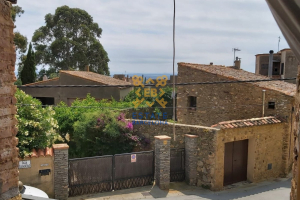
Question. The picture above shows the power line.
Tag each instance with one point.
(149, 85)
(127, 108)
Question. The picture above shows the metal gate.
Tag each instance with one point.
(177, 170)
(107, 173)
(129, 174)
(90, 175)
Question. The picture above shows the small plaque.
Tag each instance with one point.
(24, 164)
(44, 165)
(133, 157)
(165, 142)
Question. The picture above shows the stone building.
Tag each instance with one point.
(9, 174)
(51, 96)
(254, 149)
(285, 65)
(209, 104)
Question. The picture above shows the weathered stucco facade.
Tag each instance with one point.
(9, 174)
(40, 160)
(69, 94)
(285, 65)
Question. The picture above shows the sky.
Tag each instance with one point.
(137, 34)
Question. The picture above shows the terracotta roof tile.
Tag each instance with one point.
(288, 89)
(38, 82)
(106, 80)
(247, 122)
(41, 152)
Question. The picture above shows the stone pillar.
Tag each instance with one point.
(191, 159)
(61, 185)
(162, 161)
(9, 173)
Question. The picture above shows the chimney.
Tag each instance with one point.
(237, 63)
(270, 64)
(45, 78)
(87, 68)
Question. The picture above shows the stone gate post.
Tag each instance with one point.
(61, 185)
(191, 159)
(162, 161)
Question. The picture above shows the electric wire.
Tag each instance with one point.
(149, 85)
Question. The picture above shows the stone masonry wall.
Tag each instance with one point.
(296, 131)
(206, 145)
(9, 174)
(265, 146)
(224, 102)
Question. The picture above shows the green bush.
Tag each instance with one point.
(37, 126)
(77, 127)
(103, 133)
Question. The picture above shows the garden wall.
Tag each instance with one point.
(206, 145)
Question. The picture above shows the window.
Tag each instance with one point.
(271, 105)
(192, 102)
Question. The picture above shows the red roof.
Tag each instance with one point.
(247, 122)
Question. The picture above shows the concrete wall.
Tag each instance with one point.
(290, 65)
(263, 59)
(267, 145)
(224, 102)
(63, 94)
(31, 176)
(9, 175)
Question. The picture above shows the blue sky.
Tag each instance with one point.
(137, 34)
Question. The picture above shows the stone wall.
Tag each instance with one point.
(206, 145)
(296, 132)
(9, 174)
(266, 145)
(224, 102)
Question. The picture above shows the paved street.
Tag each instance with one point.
(269, 190)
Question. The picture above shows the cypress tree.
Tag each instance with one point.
(28, 74)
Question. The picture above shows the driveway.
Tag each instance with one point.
(278, 189)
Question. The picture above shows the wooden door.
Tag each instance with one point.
(235, 162)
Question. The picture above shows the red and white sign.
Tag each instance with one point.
(133, 157)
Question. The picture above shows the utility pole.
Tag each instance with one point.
(278, 42)
(234, 50)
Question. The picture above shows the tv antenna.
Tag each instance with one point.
(234, 50)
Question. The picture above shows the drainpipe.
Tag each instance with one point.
(270, 69)
(263, 102)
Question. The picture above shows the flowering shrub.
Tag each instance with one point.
(103, 133)
(37, 129)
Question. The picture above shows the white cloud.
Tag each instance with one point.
(138, 34)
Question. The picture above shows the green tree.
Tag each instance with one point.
(37, 128)
(28, 74)
(70, 40)
(19, 39)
